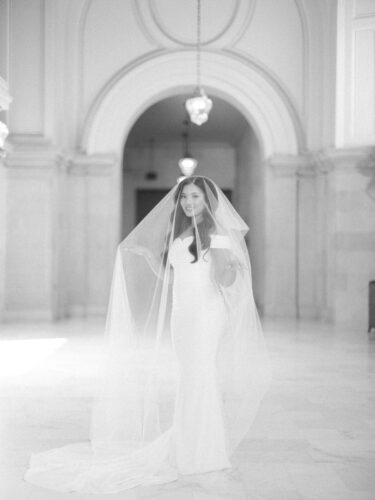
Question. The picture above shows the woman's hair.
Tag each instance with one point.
(180, 221)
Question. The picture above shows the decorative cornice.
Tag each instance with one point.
(29, 142)
(339, 160)
(34, 160)
(311, 164)
(98, 164)
(293, 166)
(32, 151)
(344, 159)
(284, 165)
(46, 158)
(366, 165)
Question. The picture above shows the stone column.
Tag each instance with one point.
(366, 167)
(353, 237)
(5, 100)
(280, 237)
(325, 221)
(2, 236)
(31, 253)
(307, 238)
(293, 238)
(93, 232)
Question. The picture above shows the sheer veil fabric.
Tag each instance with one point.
(186, 363)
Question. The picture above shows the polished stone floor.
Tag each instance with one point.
(314, 437)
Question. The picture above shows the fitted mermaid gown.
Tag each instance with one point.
(196, 442)
(198, 322)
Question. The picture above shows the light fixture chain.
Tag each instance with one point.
(198, 106)
(199, 43)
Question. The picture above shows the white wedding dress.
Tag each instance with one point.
(198, 323)
(196, 442)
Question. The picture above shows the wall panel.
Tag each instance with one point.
(26, 77)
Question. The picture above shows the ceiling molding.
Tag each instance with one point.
(154, 24)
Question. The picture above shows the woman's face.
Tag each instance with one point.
(192, 200)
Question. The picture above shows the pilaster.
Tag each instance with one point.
(352, 239)
(295, 236)
(280, 237)
(93, 232)
(5, 100)
(31, 234)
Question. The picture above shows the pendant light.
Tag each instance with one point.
(199, 106)
(4, 131)
(187, 163)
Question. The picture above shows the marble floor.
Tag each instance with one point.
(313, 438)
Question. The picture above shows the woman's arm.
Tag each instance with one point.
(225, 266)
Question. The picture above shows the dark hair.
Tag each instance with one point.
(181, 221)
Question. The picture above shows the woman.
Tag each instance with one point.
(186, 363)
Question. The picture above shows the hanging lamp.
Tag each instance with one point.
(4, 131)
(200, 105)
(187, 163)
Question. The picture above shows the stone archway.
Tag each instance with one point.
(245, 86)
(265, 106)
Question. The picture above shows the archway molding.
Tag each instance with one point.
(246, 86)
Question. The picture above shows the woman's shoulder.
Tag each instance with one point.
(219, 241)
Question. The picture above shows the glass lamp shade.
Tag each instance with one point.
(199, 107)
(187, 165)
(4, 131)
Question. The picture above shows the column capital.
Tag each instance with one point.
(325, 161)
(345, 159)
(366, 165)
(34, 160)
(302, 165)
(96, 164)
(284, 165)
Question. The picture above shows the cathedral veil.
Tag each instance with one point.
(137, 395)
(133, 410)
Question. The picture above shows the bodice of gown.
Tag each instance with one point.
(191, 281)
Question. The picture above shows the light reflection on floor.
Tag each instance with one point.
(20, 356)
(314, 437)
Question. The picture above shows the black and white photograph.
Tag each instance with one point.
(187, 249)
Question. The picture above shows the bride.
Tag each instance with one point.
(186, 365)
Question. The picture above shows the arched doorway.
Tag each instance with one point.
(246, 87)
(227, 150)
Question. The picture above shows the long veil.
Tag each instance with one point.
(132, 418)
